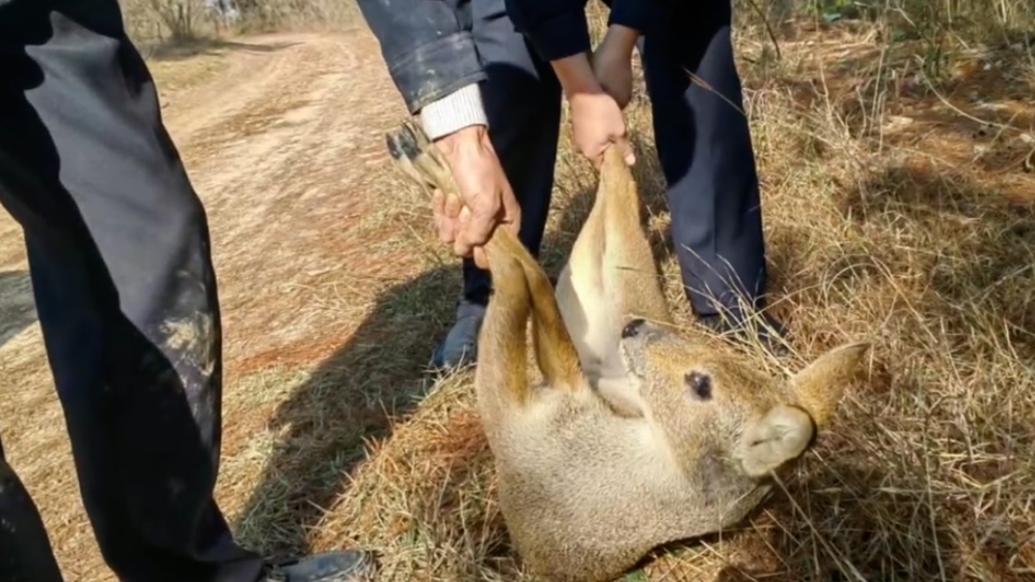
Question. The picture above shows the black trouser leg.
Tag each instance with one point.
(119, 256)
(705, 149)
(523, 103)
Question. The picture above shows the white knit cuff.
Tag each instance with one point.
(459, 109)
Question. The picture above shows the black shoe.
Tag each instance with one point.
(344, 566)
(460, 348)
(765, 329)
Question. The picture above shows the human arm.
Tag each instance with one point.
(558, 28)
(427, 45)
(596, 118)
(432, 59)
(558, 31)
(612, 59)
(612, 62)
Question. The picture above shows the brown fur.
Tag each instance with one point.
(610, 276)
(661, 439)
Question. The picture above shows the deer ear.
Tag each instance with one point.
(819, 387)
(778, 437)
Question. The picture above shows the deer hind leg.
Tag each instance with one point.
(520, 289)
(501, 377)
(581, 295)
(611, 276)
(555, 353)
(629, 270)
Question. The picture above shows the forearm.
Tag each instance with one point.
(460, 109)
(576, 72)
(612, 62)
(621, 39)
(576, 75)
(643, 16)
(429, 52)
(556, 28)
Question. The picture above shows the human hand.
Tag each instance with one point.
(486, 198)
(596, 119)
(597, 124)
(612, 63)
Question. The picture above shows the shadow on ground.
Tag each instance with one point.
(16, 305)
(378, 375)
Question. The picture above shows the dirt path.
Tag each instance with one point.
(284, 145)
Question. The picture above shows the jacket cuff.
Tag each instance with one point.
(563, 35)
(459, 109)
(456, 65)
(643, 16)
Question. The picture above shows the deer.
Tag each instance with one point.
(636, 436)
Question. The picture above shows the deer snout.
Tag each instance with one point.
(640, 329)
(637, 335)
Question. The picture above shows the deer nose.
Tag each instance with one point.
(633, 328)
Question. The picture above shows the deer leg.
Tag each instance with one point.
(581, 294)
(628, 268)
(501, 376)
(555, 352)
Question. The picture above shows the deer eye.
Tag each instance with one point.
(699, 385)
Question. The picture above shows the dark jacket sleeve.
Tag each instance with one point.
(556, 28)
(427, 45)
(643, 15)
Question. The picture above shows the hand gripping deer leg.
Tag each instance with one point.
(417, 157)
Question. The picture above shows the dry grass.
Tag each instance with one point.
(928, 473)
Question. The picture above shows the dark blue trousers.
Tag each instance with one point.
(522, 100)
(702, 135)
(118, 250)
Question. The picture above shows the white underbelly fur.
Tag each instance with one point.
(593, 321)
